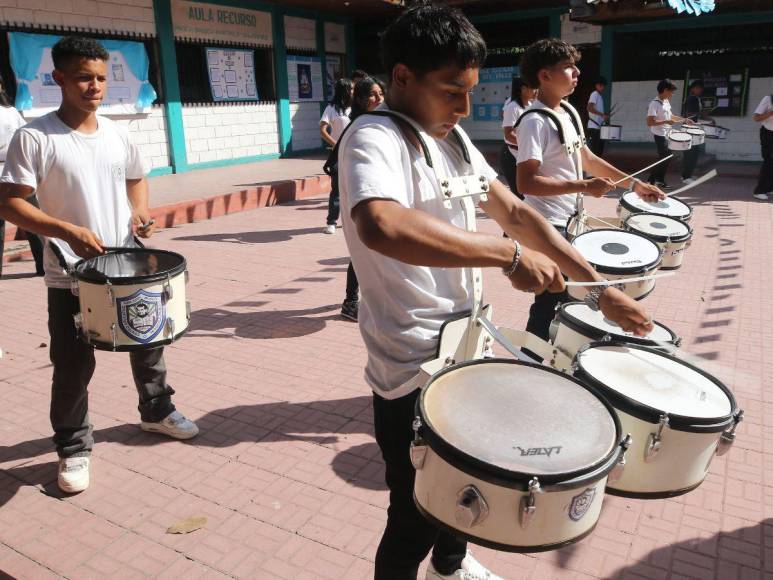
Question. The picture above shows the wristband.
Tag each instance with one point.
(516, 259)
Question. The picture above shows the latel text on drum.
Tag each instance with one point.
(539, 450)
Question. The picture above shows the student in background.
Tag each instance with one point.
(334, 120)
(597, 117)
(764, 114)
(692, 110)
(659, 121)
(521, 98)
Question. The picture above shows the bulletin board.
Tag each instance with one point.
(231, 74)
(725, 93)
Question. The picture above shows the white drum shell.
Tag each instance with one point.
(711, 130)
(611, 132)
(438, 484)
(636, 290)
(677, 142)
(673, 252)
(698, 136)
(98, 315)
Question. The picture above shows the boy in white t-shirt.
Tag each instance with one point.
(411, 255)
(596, 117)
(548, 175)
(92, 194)
(335, 118)
(764, 114)
(659, 120)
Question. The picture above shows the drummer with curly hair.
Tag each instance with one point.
(90, 183)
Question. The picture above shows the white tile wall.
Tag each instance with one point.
(230, 131)
(743, 144)
(304, 118)
(133, 16)
(300, 33)
(149, 133)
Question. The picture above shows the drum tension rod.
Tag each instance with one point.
(654, 441)
(418, 446)
(617, 470)
(727, 438)
(529, 502)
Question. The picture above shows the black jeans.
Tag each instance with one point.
(509, 168)
(74, 365)
(408, 537)
(595, 143)
(352, 284)
(765, 181)
(334, 203)
(658, 173)
(35, 241)
(690, 160)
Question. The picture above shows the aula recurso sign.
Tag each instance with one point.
(199, 21)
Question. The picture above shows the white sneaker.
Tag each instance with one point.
(175, 425)
(688, 180)
(73, 474)
(471, 570)
(762, 196)
(331, 229)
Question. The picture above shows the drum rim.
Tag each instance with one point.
(639, 410)
(658, 237)
(616, 269)
(695, 131)
(633, 209)
(670, 137)
(128, 281)
(505, 477)
(597, 334)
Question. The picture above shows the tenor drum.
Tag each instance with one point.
(611, 132)
(697, 135)
(711, 130)
(671, 206)
(131, 299)
(500, 462)
(678, 415)
(671, 235)
(679, 141)
(576, 325)
(618, 255)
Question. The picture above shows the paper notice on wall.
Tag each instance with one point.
(304, 78)
(493, 89)
(231, 74)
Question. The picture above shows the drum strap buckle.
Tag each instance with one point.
(418, 446)
(529, 503)
(727, 438)
(654, 440)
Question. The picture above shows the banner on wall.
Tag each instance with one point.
(493, 89)
(335, 37)
(128, 89)
(199, 21)
(334, 70)
(231, 74)
(304, 78)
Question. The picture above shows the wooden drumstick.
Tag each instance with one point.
(632, 175)
(702, 179)
(617, 281)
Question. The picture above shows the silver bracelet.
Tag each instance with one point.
(516, 259)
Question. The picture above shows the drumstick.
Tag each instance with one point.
(703, 178)
(621, 280)
(603, 222)
(632, 175)
(147, 225)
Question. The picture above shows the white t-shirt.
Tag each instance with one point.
(510, 113)
(79, 178)
(10, 120)
(595, 121)
(661, 110)
(337, 120)
(765, 106)
(402, 306)
(538, 139)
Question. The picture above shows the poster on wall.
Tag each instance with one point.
(304, 78)
(231, 74)
(128, 89)
(493, 89)
(334, 70)
(724, 93)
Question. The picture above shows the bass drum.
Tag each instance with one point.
(672, 207)
(500, 462)
(671, 235)
(678, 416)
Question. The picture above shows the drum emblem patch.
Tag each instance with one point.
(581, 503)
(142, 315)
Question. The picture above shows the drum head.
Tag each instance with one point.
(513, 416)
(130, 266)
(671, 206)
(695, 131)
(659, 227)
(656, 380)
(617, 252)
(579, 314)
(679, 136)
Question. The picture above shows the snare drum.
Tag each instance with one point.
(618, 255)
(711, 130)
(723, 132)
(697, 135)
(131, 299)
(671, 235)
(671, 206)
(678, 415)
(576, 324)
(501, 462)
(611, 132)
(679, 140)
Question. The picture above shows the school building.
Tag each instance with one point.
(209, 84)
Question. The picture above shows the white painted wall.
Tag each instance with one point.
(743, 143)
(304, 118)
(230, 131)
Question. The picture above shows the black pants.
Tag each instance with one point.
(690, 160)
(74, 365)
(334, 203)
(408, 537)
(36, 243)
(658, 174)
(596, 143)
(352, 284)
(765, 181)
(508, 166)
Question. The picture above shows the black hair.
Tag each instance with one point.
(428, 36)
(544, 54)
(71, 47)
(358, 74)
(515, 90)
(666, 85)
(696, 83)
(342, 95)
(361, 94)
(5, 100)
(601, 81)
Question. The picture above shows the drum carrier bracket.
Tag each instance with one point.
(654, 441)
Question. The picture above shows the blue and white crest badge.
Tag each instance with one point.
(581, 503)
(142, 315)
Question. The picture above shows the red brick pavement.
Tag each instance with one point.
(286, 469)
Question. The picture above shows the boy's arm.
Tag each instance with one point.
(530, 182)
(595, 165)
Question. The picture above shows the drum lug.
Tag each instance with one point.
(449, 361)
(187, 276)
(170, 327)
(727, 438)
(529, 503)
(74, 288)
(188, 310)
(619, 468)
(471, 508)
(78, 321)
(678, 342)
(110, 295)
(418, 446)
(113, 335)
(168, 292)
(553, 330)
(654, 440)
